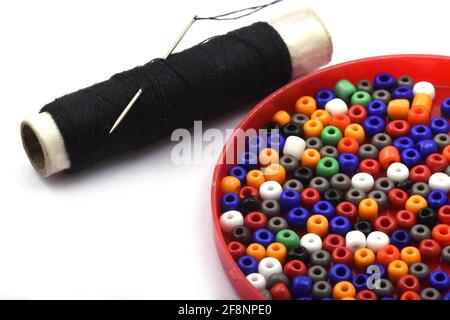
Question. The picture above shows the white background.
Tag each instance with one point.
(137, 227)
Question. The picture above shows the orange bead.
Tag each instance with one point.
(368, 209)
(230, 184)
(275, 172)
(388, 254)
(317, 224)
(355, 131)
(418, 115)
(277, 250)
(398, 109)
(410, 255)
(387, 156)
(310, 158)
(415, 203)
(340, 121)
(312, 128)
(348, 298)
(362, 258)
(422, 100)
(446, 153)
(268, 156)
(281, 117)
(323, 116)
(343, 289)
(348, 144)
(256, 251)
(410, 295)
(441, 233)
(396, 270)
(255, 178)
(306, 105)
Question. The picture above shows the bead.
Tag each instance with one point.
(343, 290)
(331, 135)
(384, 184)
(397, 198)
(396, 270)
(340, 121)
(310, 196)
(397, 109)
(294, 268)
(304, 175)
(281, 117)
(255, 220)
(420, 132)
(340, 225)
(357, 114)
(445, 255)
(399, 129)
(348, 210)
(361, 97)
(238, 172)
(440, 280)
(317, 273)
(382, 95)
(336, 106)
(437, 198)
(439, 125)
(430, 250)
(420, 173)
(248, 265)
(363, 257)
(373, 125)
(333, 241)
(424, 87)
(344, 89)
(400, 238)
(241, 234)
(405, 219)
(411, 157)
(368, 152)
(263, 236)
(321, 290)
(355, 131)
(430, 294)
(387, 156)
(329, 151)
(355, 196)
(320, 184)
(271, 208)
(440, 181)
(298, 253)
(377, 240)
(443, 214)
(277, 278)
(270, 190)
(320, 258)
(360, 281)
(420, 271)
(256, 251)
(340, 272)
(436, 162)
(275, 172)
(323, 116)
(441, 233)
(415, 203)
(348, 145)
(340, 181)
(363, 181)
(397, 172)
(301, 286)
(384, 289)
(342, 255)
(311, 242)
(377, 108)
(445, 108)
(403, 143)
(276, 224)
(276, 141)
(364, 85)
(248, 160)
(230, 184)
(327, 167)
(249, 204)
(255, 178)
(334, 196)
(368, 209)
(377, 268)
(229, 201)
(366, 295)
(348, 163)
(323, 96)
(230, 219)
(354, 240)
(280, 292)
(294, 146)
(289, 199)
(388, 254)
(300, 119)
(380, 198)
(293, 184)
(236, 249)
(384, 81)
(269, 266)
(419, 232)
(318, 225)
(385, 224)
(408, 283)
(403, 93)
(305, 105)
(268, 156)
(418, 115)
(426, 147)
(323, 208)
(410, 255)
(310, 158)
(312, 128)
(314, 143)
(410, 295)
(277, 251)
(248, 191)
(291, 129)
(442, 140)
(420, 188)
(405, 81)
(288, 238)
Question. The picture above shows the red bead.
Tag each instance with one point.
(443, 214)
(397, 128)
(357, 113)
(388, 254)
(397, 198)
(333, 241)
(441, 233)
(385, 224)
(405, 219)
(342, 255)
(420, 173)
(366, 295)
(280, 292)
(309, 197)
(248, 191)
(410, 295)
(370, 166)
(236, 249)
(348, 145)
(436, 162)
(255, 220)
(430, 250)
(348, 210)
(295, 268)
(408, 282)
(387, 156)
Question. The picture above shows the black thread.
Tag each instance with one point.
(196, 84)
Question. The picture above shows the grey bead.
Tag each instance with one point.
(384, 184)
(364, 85)
(321, 289)
(384, 288)
(289, 163)
(341, 182)
(293, 184)
(313, 143)
(355, 196)
(368, 151)
(276, 224)
(381, 140)
(430, 294)
(445, 255)
(271, 208)
(320, 258)
(318, 273)
(328, 151)
(442, 140)
(277, 278)
(421, 189)
(405, 81)
(419, 232)
(300, 118)
(382, 95)
(380, 197)
(447, 171)
(320, 184)
(266, 293)
(420, 270)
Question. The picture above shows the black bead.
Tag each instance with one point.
(405, 185)
(298, 253)
(364, 226)
(271, 126)
(241, 234)
(249, 204)
(304, 175)
(427, 216)
(291, 129)
(334, 196)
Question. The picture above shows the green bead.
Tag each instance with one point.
(344, 89)
(330, 136)
(327, 167)
(289, 238)
(361, 97)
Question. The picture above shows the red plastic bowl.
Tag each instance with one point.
(435, 69)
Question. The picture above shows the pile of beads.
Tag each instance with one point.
(347, 198)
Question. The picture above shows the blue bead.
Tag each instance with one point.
(403, 143)
(388, 298)
(420, 132)
(437, 198)
(238, 172)
(411, 157)
(263, 236)
(377, 108)
(340, 272)
(400, 238)
(305, 298)
(379, 267)
(340, 225)
(248, 160)
(440, 280)
(445, 108)
(384, 81)
(301, 286)
(297, 217)
(439, 125)
(230, 201)
(403, 93)
(373, 125)
(323, 96)
(446, 297)
(248, 265)
(276, 141)
(348, 163)
(327, 299)
(289, 199)
(426, 147)
(324, 208)
(360, 281)
(256, 143)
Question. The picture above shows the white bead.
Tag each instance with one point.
(363, 181)
(397, 172)
(336, 106)
(354, 240)
(424, 87)
(270, 190)
(294, 146)
(269, 266)
(439, 180)
(311, 242)
(377, 240)
(257, 280)
(230, 219)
